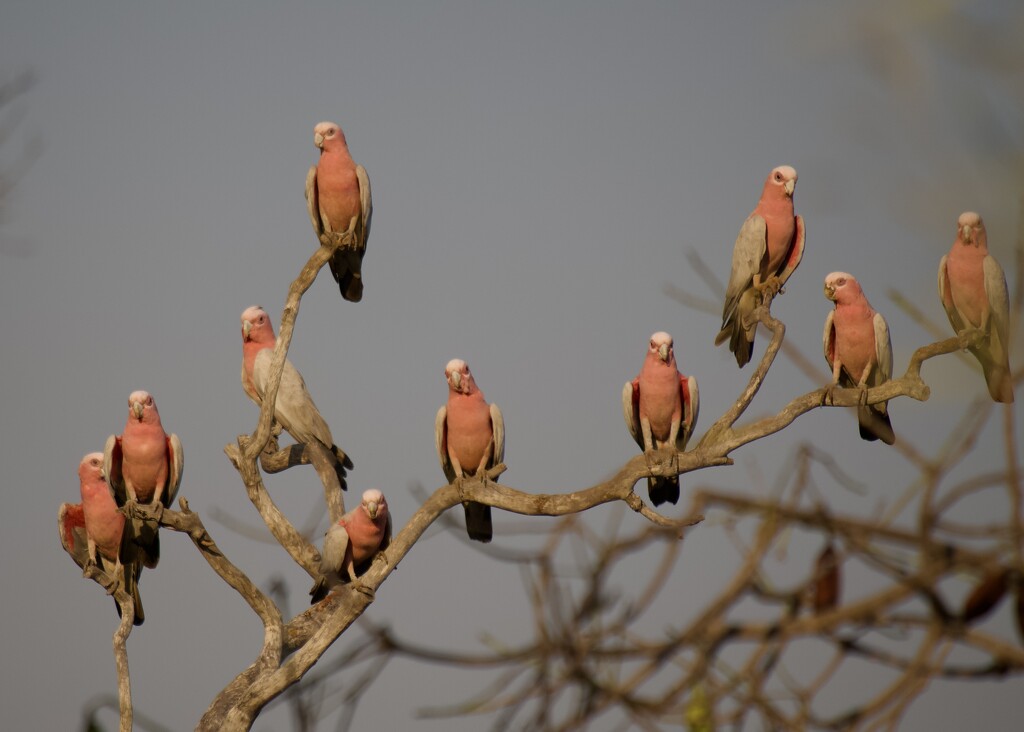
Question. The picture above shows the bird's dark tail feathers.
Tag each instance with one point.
(875, 425)
(478, 521)
(663, 489)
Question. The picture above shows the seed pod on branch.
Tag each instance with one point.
(987, 595)
(825, 584)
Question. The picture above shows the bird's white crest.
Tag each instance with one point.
(95, 458)
(252, 312)
(788, 172)
(968, 218)
(785, 176)
(834, 279)
(140, 395)
(326, 131)
(456, 364)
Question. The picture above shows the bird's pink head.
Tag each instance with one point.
(970, 229)
(256, 326)
(460, 380)
(328, 136)
(142, 408)
(781, 182)
(374, 504)
(842, 287)
(90, 470)
(661, 347)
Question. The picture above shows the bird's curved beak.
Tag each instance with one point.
(790, 187)
(246, 327)
(318, 140)
(830, 292)
(137, 409)
(457, 381)
(371, 509)
(663, 352)
(965, 234)
(103, 474)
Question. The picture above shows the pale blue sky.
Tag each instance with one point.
(539, 172)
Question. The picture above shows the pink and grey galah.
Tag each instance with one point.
(469, 435)
(352, 543)
(859, 352)
(104, 529)
(973, 291)
(144, 464)
(340, 206)
(768, 249)
(661, 406)
(294, 410)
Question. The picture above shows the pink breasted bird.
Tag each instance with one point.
(104, 529)
(340, 206)
(144, 465)
(661, 406)
(768, 249)
(858, 350)
(469, 435)
(295, 410)
(352, 543)
(972, 288)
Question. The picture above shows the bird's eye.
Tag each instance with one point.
(841, 281)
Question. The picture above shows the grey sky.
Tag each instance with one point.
(539, 171)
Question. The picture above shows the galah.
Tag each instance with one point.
(859, 352)
(340, 206)
(469, 435)
(972, 288)
(660, 406)
(351, 543)
(104, 529)
(295, 410)
(144, 465)
(768, 249)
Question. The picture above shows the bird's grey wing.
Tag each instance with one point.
(366, 206)
(498, 433)
(112, 468)
(998, 299)
(295, 409)
(883, 351)
(332, 558)
(176, 463)
(691, 409)
(747, 254)
(631, 410)
(313, 202)
(441, 442)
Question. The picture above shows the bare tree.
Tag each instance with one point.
(741, 661)
(589, 655)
